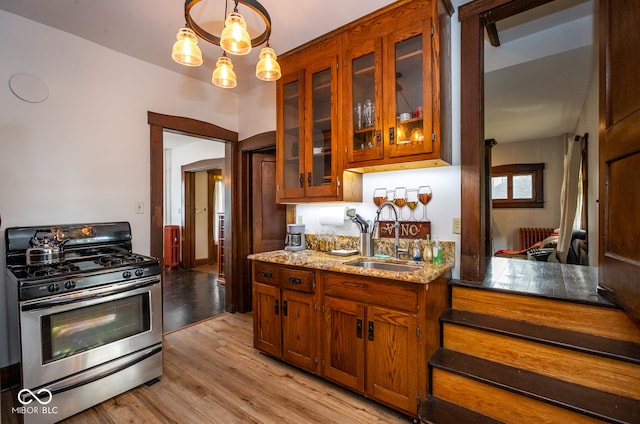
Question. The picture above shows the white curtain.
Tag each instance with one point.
(571, 187)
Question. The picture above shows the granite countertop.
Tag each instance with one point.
(318, 260)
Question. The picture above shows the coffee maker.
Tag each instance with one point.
(295, 237)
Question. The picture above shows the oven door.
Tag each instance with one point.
(66, 334)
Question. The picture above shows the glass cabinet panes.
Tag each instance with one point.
(292, 136)
(409, 97)
(364, 102)
(320, 173)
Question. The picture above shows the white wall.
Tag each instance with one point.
(192, 152)
(83, 154)
(507, 221)
(257, 113)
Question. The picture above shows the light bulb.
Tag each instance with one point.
(234, 38)
(268, 68)
(223, 76)
(186, 51)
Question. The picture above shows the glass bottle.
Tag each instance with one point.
(427, 254)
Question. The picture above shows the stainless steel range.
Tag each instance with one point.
(85, 316)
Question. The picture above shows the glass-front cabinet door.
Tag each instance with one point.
(320, 128)
(409, 96)
(291, 134)
(363, 122)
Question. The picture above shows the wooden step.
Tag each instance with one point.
(607, 365)
(594, 319)
(518, 396)
(438, 411)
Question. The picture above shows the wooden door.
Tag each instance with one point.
(299, 345)
(392, 362)
(267, 331)
(268, 218)
(619, 259)
(343, 359)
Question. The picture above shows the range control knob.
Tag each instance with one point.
(126, 274)
(53, 287)
(71, 284)
(139, 272)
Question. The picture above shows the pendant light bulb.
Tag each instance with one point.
(268, 68)
(223, 76)
(186, 51)
(234, 38)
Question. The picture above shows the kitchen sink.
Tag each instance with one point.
(385, 266)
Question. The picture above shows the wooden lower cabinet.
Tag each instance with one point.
(285, 320)
(373, 349)
(371, 335)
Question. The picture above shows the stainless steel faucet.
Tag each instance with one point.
(376, 231)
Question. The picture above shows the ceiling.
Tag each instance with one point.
(524, 100)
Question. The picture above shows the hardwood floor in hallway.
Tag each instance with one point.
(212, 374)
(190, 296)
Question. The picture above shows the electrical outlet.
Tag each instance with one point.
(456, 226)
(139, 206)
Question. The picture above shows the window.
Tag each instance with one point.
(517, 186)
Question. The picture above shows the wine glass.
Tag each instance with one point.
(400, 199)
(412, 202)
(390, 195)
(424, 196)
(379, 196)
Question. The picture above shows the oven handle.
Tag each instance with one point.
(61, 389)
(103, 292)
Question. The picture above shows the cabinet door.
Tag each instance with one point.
(299, 329)
(392, 371)
(267, 333)
(362, 91)
(321, 127)
(343, 354)
(290, 136)
(408, 89)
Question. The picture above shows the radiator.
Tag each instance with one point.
(529, 236)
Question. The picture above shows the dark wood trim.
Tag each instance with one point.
(157, 124)
(243, 211)
(188, 220)
(262, 141)
(473, 254)
(476, 231)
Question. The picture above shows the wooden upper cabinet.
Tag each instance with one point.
(370, 96)
(309, 161)
(391, 89)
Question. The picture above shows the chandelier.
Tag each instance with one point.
(234, 40)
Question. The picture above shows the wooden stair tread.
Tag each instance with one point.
(595, 345)
(438, 411)
(594, 403)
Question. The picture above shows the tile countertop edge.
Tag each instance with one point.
(319, 260)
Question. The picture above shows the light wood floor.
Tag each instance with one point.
(212, 374)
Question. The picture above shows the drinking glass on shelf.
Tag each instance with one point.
(400, 199)
(379, 196)
(424, 196)
(412, 202)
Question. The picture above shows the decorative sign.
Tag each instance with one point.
(408, 229)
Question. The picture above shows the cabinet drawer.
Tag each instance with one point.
(267, 273)
(297, 279)
(375, 291)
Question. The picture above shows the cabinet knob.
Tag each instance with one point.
(295, 280)
(370, 330)
(359, 328)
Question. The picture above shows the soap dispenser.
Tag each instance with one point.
(427, 254)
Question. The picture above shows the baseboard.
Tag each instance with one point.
(10, 376)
